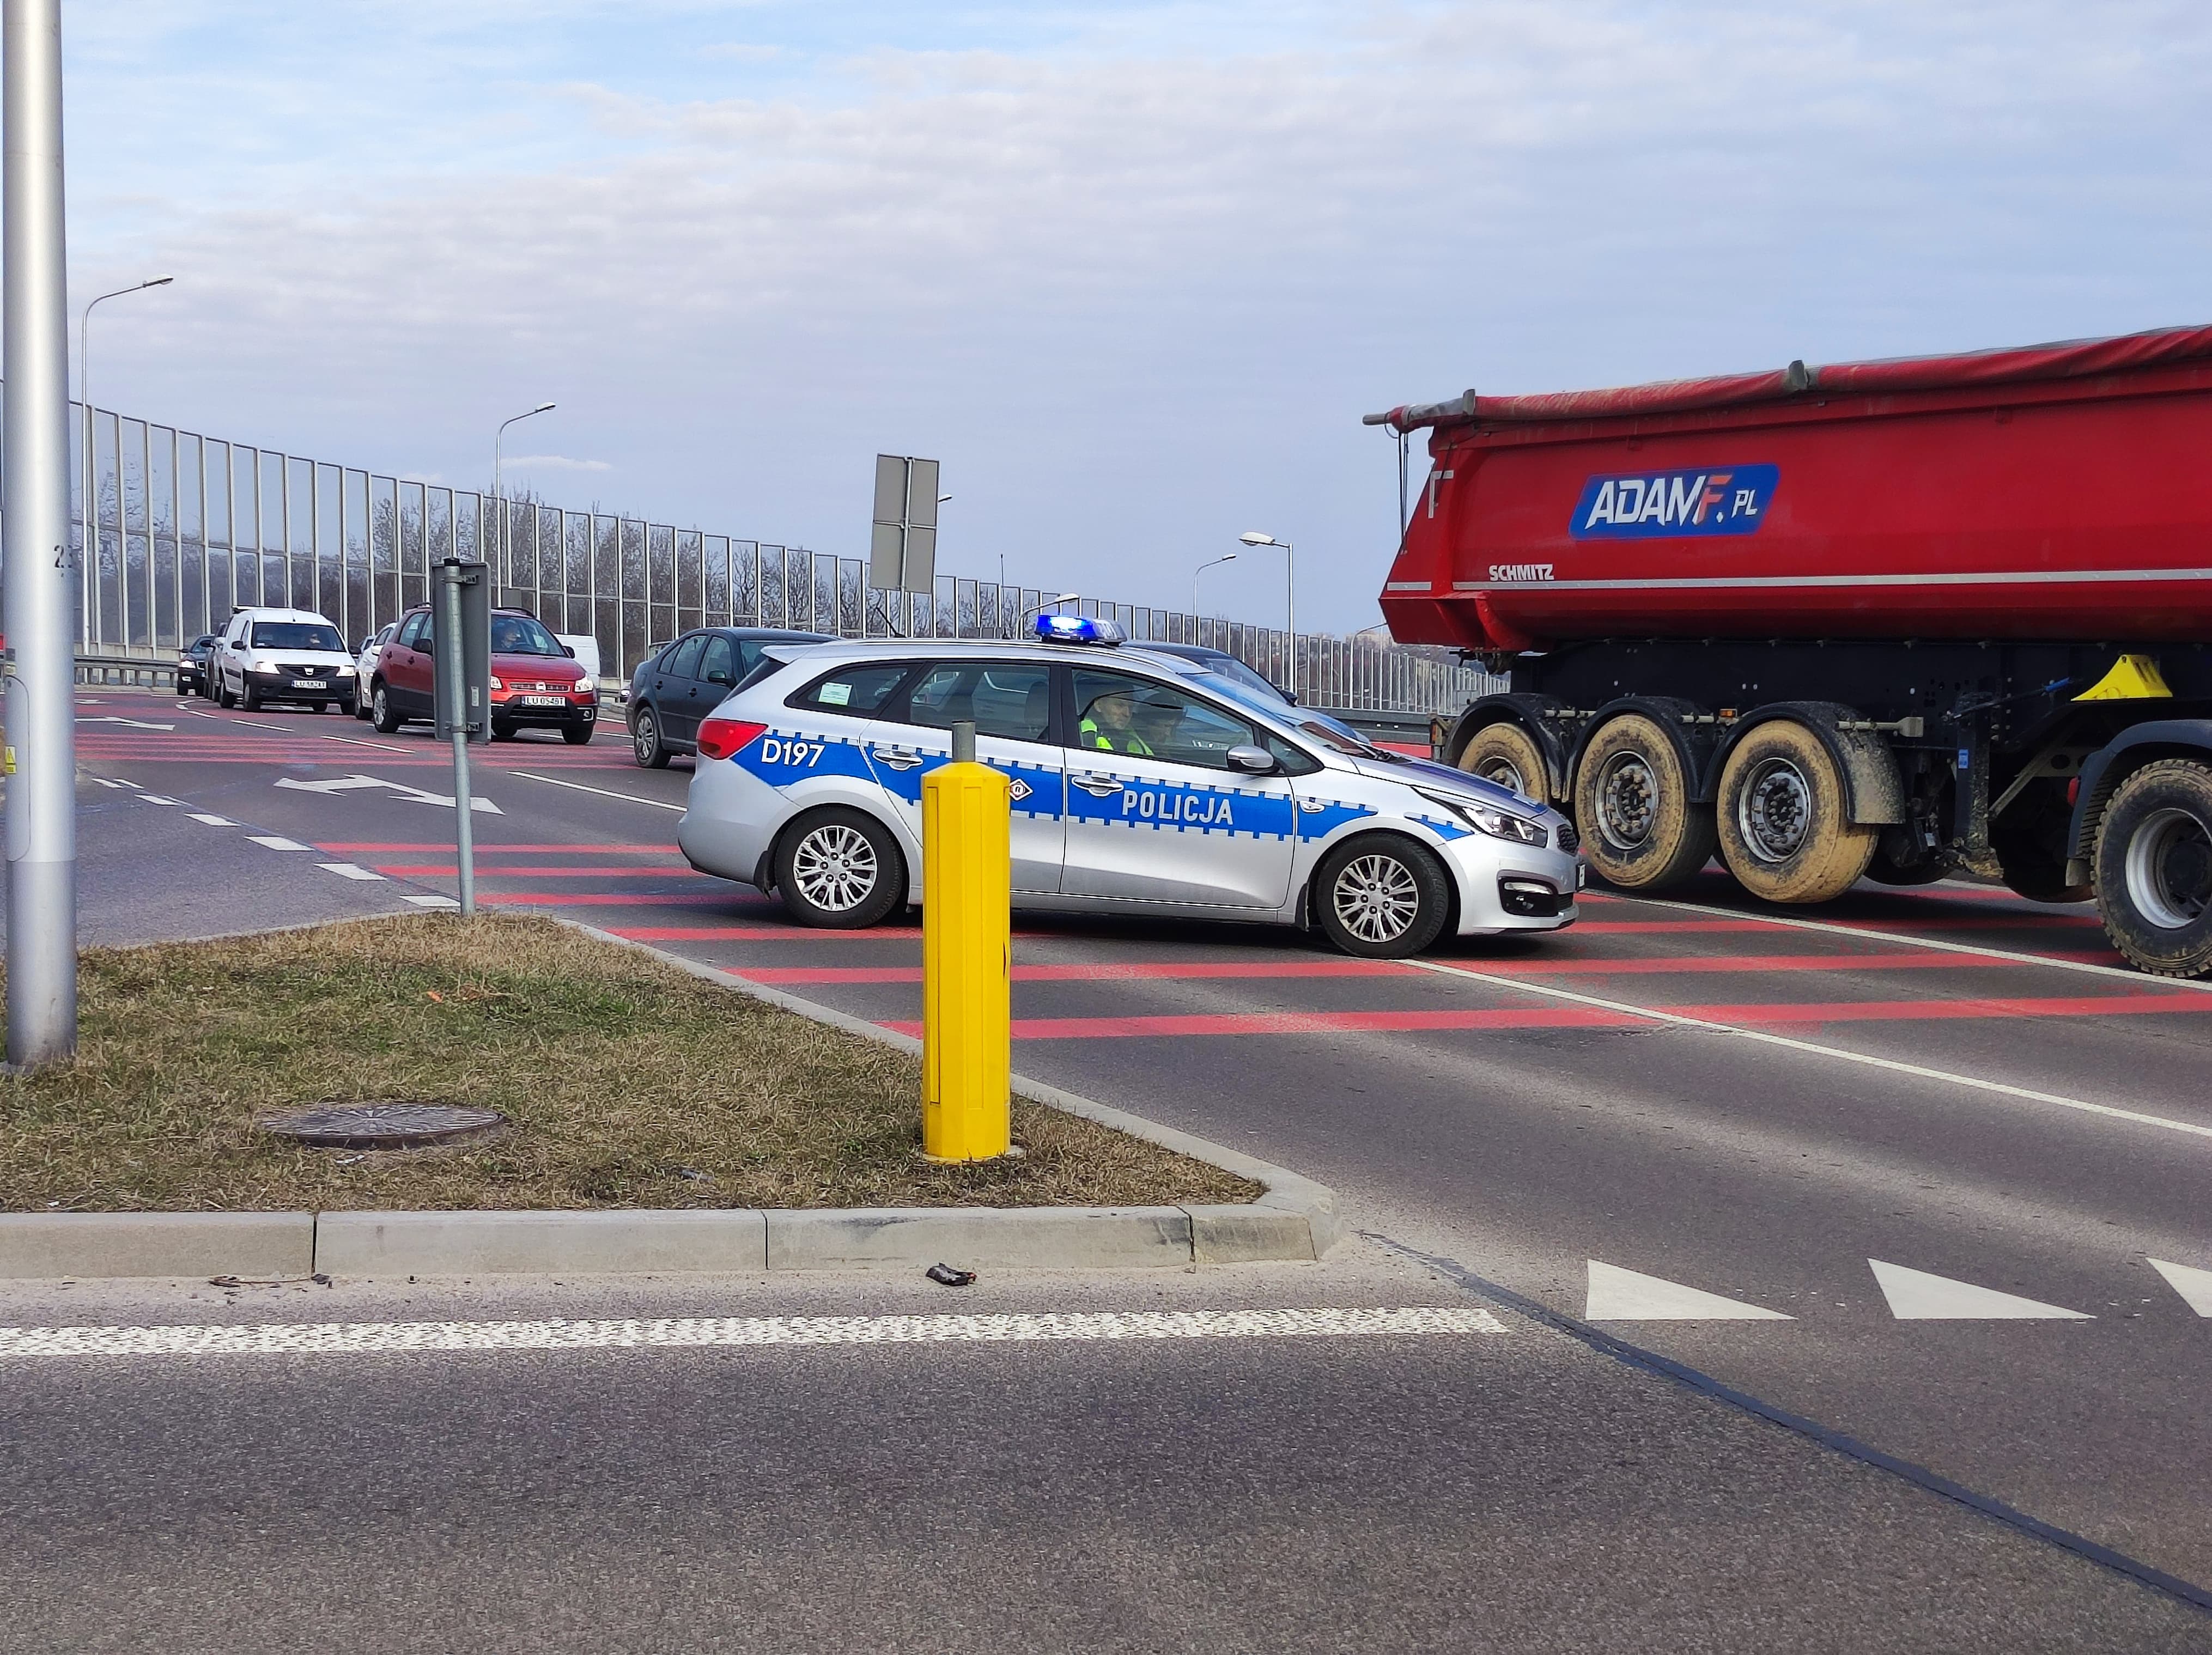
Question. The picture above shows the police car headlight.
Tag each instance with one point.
(1485, 819)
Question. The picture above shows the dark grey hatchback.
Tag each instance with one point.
(681, 682)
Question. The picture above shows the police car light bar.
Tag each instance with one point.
(1079, 629)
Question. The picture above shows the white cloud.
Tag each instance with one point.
(1137, 299)
(552, 463)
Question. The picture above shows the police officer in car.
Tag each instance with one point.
(1108, 727)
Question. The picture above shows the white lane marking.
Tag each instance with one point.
(628, 799)
(301, 730)
(211, 821)
(2011, 956)
(350, 784)
(1627, 1295)
(428, 901)
(1844, 1054)
(157, 799)
(276, 844)
(135, 724)
(104, 782)
(694, 1332)
(348, 871)
(1915, 1296)
(2194, 1285)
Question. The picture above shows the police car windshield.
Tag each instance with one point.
(1229, 667)
(296, 634)
(1325, 730)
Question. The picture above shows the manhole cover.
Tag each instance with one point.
(379, 1125)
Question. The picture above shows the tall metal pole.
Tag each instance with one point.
(91, 469)
(455, 688)
(38, 583)
(503, 576)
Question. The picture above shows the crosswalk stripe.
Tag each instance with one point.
(694, 1332)
(2194, 1285)
(1916, 1295)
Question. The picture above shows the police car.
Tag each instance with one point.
(1141, 784)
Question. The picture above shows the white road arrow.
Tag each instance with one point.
(349, 784)
(1627, 1295)
(135, 724)
(1915, 1296)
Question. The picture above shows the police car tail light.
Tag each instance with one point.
(722, 738)
(1079, 629)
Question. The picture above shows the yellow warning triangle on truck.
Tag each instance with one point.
(2133, 678)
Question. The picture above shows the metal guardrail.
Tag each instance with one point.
(150, 671)
(1421, 730)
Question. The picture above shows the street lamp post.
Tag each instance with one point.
(1290, 592)
(91, 473)
(499, 500)
(35, 565)
(1226, 557)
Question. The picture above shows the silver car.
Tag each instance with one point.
(1141, 784)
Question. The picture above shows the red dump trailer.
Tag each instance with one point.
(1887, 619)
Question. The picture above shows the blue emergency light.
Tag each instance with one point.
(1079, 629)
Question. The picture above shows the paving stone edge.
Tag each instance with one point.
(1295, 1219)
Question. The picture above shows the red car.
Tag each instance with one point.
(535, 683)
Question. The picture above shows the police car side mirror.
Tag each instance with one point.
(1253, 761)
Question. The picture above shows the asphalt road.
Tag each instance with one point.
(1867, 1125)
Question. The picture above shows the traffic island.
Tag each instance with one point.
(657, 1116)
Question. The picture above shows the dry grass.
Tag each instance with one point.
(628, 1084)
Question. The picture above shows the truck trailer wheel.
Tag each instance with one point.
(1640, 828)
(1507, 755)
(1785, 831)
(2155, 868)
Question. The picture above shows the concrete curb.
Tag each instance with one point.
(1294, 1220)
(257, 1245)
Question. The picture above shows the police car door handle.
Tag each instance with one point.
(898, 758)
(1098, 786)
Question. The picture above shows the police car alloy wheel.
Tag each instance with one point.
(840, 870)
(1382, 898)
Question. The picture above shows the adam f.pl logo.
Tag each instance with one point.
(1730, 500)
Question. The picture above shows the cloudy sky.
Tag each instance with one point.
(1131, 272)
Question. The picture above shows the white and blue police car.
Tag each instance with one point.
(1142, 784)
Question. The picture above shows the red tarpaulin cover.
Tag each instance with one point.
(2071, 359)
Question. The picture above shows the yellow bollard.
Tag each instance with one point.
(966, 880)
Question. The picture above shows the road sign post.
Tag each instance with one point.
(966, 884)
(461, 653)
(40, 574)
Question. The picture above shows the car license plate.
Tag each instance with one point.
(541, 701)
(308, 683)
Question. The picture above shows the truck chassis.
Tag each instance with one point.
(2071, 772)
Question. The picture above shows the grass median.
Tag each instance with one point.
(626, 1082)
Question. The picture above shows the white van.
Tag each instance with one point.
(281, 655)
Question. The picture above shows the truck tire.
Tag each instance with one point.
(1508, 754)
(1785, 831)
(2153, 862)
(1640, 828)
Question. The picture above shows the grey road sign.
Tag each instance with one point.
(902, 544)
(469, 712)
